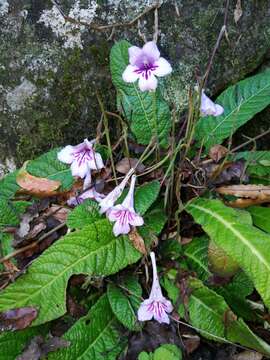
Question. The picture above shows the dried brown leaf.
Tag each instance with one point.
(124, 165)
(246, 191)
(37, 186)
(217, 152)
(137, 241)
(58, 212)
(17, 319)
(191, 343)
(248, 355)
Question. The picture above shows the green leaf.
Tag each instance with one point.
(48, 166)
(256, 162)
(92, 250)
(241, 102)
(196, 253)
(13, 343)
(209, 312)
(93, 337)
(125, 305)
(146, 111)
(84, 214)
(222, 225)
(10, 212)
(155, 220)
(9, 186)
(168, 352)
(145, 196)
(260, 216)
(144, 356)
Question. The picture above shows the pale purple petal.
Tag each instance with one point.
(137, 220)
(79, 170)
(163, 67)
(143, 312)
(113, 213)
(151, 51)
(89, 144)
(162, 317)
(134, 53)
(96, 163)
(121, 228)
(65, 155)
(149, 84)
(130, 75)
(219, 110)
(168, 305)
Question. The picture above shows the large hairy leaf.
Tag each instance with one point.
(84, 214)
(125, 302)
(9, 186)
(93, 250)
(247, 245)
(209, 312)
(241, 102)
(48, 166)
(93, 337)
(10, 212)
(146, 111)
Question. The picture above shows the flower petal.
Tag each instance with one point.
(143, 313)
(163, 67)
(79, 170)
(65, 155)
(96, 163)
(137, 220)
(149, 84)
(134, 53)
(168, 304)
(162, 317)
(219, 110)
(151, 51)
(87, 180)
(130, 75)
(121, 228)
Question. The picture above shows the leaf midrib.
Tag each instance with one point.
(237, 109)
(235, 232)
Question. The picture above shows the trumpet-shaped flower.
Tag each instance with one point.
(156, 306)
(208, 107)
(89, 194)
(110, 199)
(124, 215)
(145, 64)
(83, 158)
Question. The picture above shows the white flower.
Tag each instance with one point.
(89, 194)
(156, 306)
(111, 198)
(145, 65)
(124, 215)
(208, 107)
(82, 158)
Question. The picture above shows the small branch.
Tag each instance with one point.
(32, 245)
(250, 141)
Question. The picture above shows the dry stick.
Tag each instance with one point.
(250, 140)
(223, 31)
(30, 246)
(105, 27)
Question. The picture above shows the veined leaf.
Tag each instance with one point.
(260, 216)
(155, 219)
(93, 250)
(10, 212)
(8, 185)
(209, 312)
(145, 196)
(93, 336)
(84, 214)
(48, 166)
(147, 112)
(258, 162)
(241, 102)
(196, 253)
(248, 246)
(13, 343)
(125, 305)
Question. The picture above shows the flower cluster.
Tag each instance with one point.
(156, 306)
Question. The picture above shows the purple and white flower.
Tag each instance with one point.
(110, 199)
(124, 215)
(208, 107)
(89, 194)
(156, 306)
(83, 158)
(145, 64)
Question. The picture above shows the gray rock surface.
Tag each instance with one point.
(50, 69)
